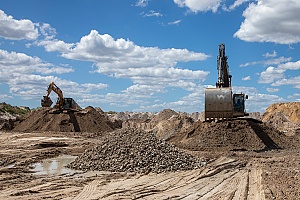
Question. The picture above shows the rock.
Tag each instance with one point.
(134, 150)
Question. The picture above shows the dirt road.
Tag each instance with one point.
(226, 175)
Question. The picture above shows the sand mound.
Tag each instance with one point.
(172, 126)
(291, 110)
(87, 120)
(285, 117)
(163, 115)
(233, 135)
(132, 150)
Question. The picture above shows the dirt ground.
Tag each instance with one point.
(169, 156)
(226, 174)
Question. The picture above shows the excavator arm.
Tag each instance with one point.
(47, 102)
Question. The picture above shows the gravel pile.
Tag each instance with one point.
(130, 150)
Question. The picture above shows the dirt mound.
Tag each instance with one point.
(172, 126)
(165, 124)
(291, 110)
(87, 120)
(233, 135)
(132, 150)
(163, 115)
(285, 117)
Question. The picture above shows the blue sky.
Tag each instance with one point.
(148, 55)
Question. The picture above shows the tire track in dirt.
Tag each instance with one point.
(88, 190)
(256, 190)
(225, 178)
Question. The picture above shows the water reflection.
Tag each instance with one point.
(55, 165)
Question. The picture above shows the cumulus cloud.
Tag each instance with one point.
(271, 21)
(199, 6)
(28, 77)
(13, 29)
(257, 102)
(47, 31)
(271, 74)
(290, 66)
(295, 81)
(4, 97)
(122, 58)
(275, 75)
(93, 86)
(272, 89)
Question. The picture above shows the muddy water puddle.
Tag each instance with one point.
(54, 166)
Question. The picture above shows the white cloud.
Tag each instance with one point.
(236, 4)
(270, 55)
(199, 6)
(247, 78)
(257, 102)
(13, 29)
(4, 97)
(47, 31)
(271, 21)
(176, 22)
(294, 97)
(121, 58)
(274, 61)
(28, 77)
(271, 74)
(295, 81)
(142, 3)
(276, 76)
(92, 86)
(290, 65)
(272, 89)
(152, 13)
(194, 101)
(54, 45)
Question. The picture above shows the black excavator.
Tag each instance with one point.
(62, 104)
(220, 102)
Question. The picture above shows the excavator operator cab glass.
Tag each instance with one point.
(238, 103)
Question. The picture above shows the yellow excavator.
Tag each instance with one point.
(62, 103)
(220, 102)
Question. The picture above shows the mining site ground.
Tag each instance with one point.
(225, 174)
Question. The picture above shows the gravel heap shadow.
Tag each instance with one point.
(130, 150)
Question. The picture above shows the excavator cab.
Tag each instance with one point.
(239, 104)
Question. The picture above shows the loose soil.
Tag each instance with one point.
(239, 159)
(87, 120)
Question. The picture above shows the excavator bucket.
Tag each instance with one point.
(46, 102)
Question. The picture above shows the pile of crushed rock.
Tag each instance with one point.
(134, 150)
